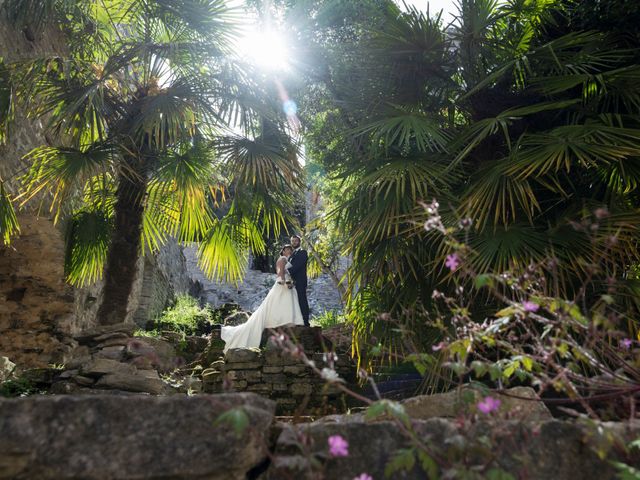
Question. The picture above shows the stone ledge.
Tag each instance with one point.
(547, 450)
(127, 437)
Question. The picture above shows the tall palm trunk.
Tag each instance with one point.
(120, 269)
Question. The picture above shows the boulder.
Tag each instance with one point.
(131, 437)
(550, 450)
(243, 355)
(104, 366)
(6, 368)
(159, 352)
(309, 338)
(518, 403)
(95, 335)
(132, 382)
(236, 318)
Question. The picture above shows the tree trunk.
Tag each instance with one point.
(122, 259)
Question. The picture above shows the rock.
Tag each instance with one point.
(251, 376)
(236, 318)
(262, 388)
(450, 404)
(296, 369)
(112, 336)
(274, 378)
(136, 382)
(111, 342)
(309, 338)
(301, 388)
(89, 336)
(158, 352)
(63, 387)
(131, 437)
(270, 369)
(214, 349)
(243, 366)
(115, 352)
(239, 385)
(83, 381)
(241, 355)
(40, 376)
(103, 366)
(195, 345)
(340, 337)
(226, 309)
(6, 368)
(550, 450)
(68, 374)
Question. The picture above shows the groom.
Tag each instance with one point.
(297, 268)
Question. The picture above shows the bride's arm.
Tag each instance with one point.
(280, 270)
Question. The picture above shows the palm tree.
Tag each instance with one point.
(511, 116)
(159, 134)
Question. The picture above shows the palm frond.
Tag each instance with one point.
(266, 163)
(404, 129)
(64, 171)
(8, 221)
(500, 198)
(572, 146)
(219, 256)
(87, 244)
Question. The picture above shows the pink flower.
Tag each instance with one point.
(338, 446)
(363, 476)
(530, 306)
(452, 262)
(488, 405)
(626, 343)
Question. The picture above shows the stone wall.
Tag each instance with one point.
(282, 376)
(36, 305)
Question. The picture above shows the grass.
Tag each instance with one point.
(329, 318)
(186, 316)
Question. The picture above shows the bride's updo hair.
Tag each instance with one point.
(284, 248)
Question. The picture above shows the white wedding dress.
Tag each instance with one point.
(280, 307)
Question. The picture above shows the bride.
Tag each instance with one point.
(280, 307)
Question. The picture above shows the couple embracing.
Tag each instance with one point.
(285, 304)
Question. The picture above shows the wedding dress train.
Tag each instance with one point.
(280, 307)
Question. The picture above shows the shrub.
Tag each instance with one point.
(185, 316)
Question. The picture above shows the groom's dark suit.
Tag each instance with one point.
(298, 272)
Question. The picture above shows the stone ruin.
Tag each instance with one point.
(109, 359)
(281, 376)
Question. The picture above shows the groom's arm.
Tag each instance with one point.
(298, 262)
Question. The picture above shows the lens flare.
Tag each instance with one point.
(266, 49)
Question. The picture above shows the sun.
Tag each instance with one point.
(266, 49)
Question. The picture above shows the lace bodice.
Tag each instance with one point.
(280, 267)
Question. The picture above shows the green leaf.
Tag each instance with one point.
(527, 363)
(483, 280)
(511, 369)
(237, 418)
(375, 410)
(498, 474)
(480, 368)
(429, 465)
(626, 472)
(403, 460)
